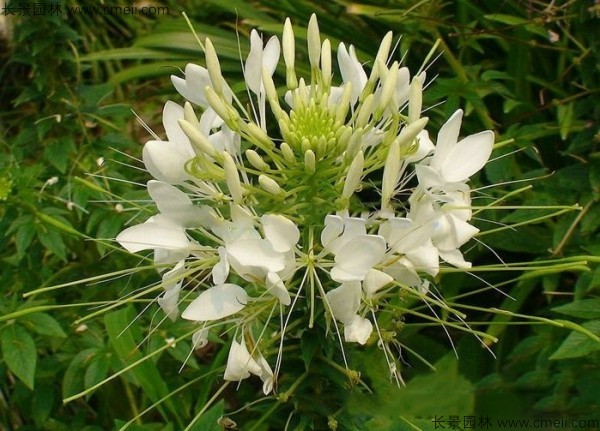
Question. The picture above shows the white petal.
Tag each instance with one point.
(192, 87)
(253, 67)
(447, 138)
(271, 55)
(334, 226)
(178, 207)
(166, 161)
(404, 273)
(351, 70)
(239, 363)
(344, 301)
(425, 258)
(357, 257)
(174, 276)
(428, 177)
(216, 303)
(425, 147)
(153, 235)
(200, 338)
(221, 270)
(468, 156)
(266, 375)
(358, 330)
(276, 288)
(172, 113)
(253, 258)
(374, 281)
(455, 258)
(163, 256)
(281, 232)
(169, 300)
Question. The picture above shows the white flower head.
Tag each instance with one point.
(257, 231)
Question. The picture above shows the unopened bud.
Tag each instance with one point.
(415, 99)
(258, 136)
(388, 88)
(365, 111)
(354, 175)
(326, 62)
(344, 106)
(223, 110)
(269, 185)
(390, 174)
(314, 42)
(256, 160)
(289, 46)
(310, 163)
(189, 115)
(232, 178)
(288, 153)
(410, 132)
(199, 141)
(213, 66)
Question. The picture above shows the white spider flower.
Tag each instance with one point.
(249, 231)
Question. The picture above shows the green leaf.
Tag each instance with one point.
(584, 309)
(43, 324)
(18, 349)
(23, 238)
(53, 242)
(309, 344)
(425, 396)
(145, 374)
(41, 406)
(577, 344)
(74, 376)
(57, 153)
(209, 421)
(96, 371)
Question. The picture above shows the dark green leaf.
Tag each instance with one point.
(577, 344)
(209, 421)
(43, 324)
(584, 309)
(18, 349)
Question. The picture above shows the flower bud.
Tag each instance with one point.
(258, 135)
(256, 160)
(365, 111)
(342, 109)
(326, 63)
(415, 99)
(213, 66)
(354, 175)
(189, 115)
(232, 178)
(289, 47)
(223, 110)
(199, 141)
(269, 185)
(288, 153)
(410, 132)
(390, 174)
(387, 89)
(314, 42)
(310, 163)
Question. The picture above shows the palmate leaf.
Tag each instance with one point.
(19, 352)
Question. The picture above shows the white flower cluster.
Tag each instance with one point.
(254, 204)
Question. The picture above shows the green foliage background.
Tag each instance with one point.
(528, 70)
